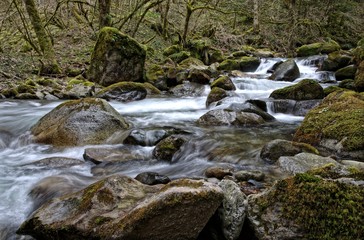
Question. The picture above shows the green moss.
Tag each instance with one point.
(172, 50)
(99, 220)
(24, 88)
(30, 82)
(124, 87)
(75, 81)
(340, 116)
(228, 65)
(309, 49)
(154, 72)
(10, 92)
(180, 56)
(215, 95)
(223, 82)
(332, 89)
(189, 62)
(88, 194)
(306, 89)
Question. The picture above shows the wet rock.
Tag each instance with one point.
(317, 48)
(250, 108)
(223, 117)
(191, 62)
(245, 64)
(335, 125)
(286, 71)
(273, 150)
(166, 148)
(198, 76)
(124, 92)
(301, 108)
(258, 103)
(116, 58)
(112, 154)
(79, 122)
(247, 175)
(303, 162)
(306, 207)
(307, 89)
(347, 84)
(347, 72)
(189, 89)
(232, 211)
(218, 172)
(5, 138)
(335, 61)
(152, 178)
(120, 207)
(216, 94)
(57, 162)
(223, 82)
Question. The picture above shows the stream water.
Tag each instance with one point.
(236, 147)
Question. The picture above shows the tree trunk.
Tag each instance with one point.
(256, 15)
(104, 13)
(165, 20)
(49, 63)
(189, 12)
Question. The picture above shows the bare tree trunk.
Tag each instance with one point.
(49, 63)
(165, 20)
(104, 13)
(256, 15)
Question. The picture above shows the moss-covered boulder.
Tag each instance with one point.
(166, 148)
(359, 78)
(172, 50)
(116, 58)
(347, 72)
(79, 122)
(306, 89)
(336, 60)
(286, 71)
(191, 62)
(336, 125)
(347, 84)
(272, 150)
(180, 56)
(225, 117)
(224, 82)
(123, 91)
(317, 48)
(216, 94)
(308, 206)
(199, 75)
(245, 64)
(332, 89)
(120, 207)
(153, 73)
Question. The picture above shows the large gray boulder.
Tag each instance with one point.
(79, 122)
(286, 71)
(223, 117)
(123, 92)
(116, 58)
(120, 207)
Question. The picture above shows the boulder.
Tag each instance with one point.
(303, 162)
(79, 122)
(347, 84)
(148, 137)
(306, 89)
(154, 73)
(359, 78)
(347, 72)
(307, 206)
(273, 150)
(166, 148)
(336, 125)
(188, 89)
(218, 172)
(245, 175)
(152, 178)
(180, 56)
(332, 89)
(335, 61)
(191, 63)
(223, 117)
(224, 82)
(249, 107)
(120, 207)
(317, 48)
(116, 58)
(286, 71)
(123, 92)
(198, 76)
(245, 64)
(172, 50)
(57, 162)
(112, 154)
(215, 95)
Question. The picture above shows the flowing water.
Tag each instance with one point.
(229, 146)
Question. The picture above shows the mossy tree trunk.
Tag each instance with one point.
(256, 15)
(104, 13)
(49, 63)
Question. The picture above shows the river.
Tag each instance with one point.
(206, 147)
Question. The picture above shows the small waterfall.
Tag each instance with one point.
(266, 64)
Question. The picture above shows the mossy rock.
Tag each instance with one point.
(79, 122)
(172, 50)
(76, 81)
(26, 96)
(306, 89)
(229, 65)
(166, 148)
(215, 95)
(359, 78)
(199, 76)
(249, 64)
(116, 58)
(336, 60)
(317, 48)
(332, 89)
(10, 92)
(339, 118)
(347, 72)
(153, 73)
(180, 56)
(347, 84)
(25, 88)
(308, 207)
(215, 55)
(191, 62)
(224, 82)
(123, 91)
(359, 52)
